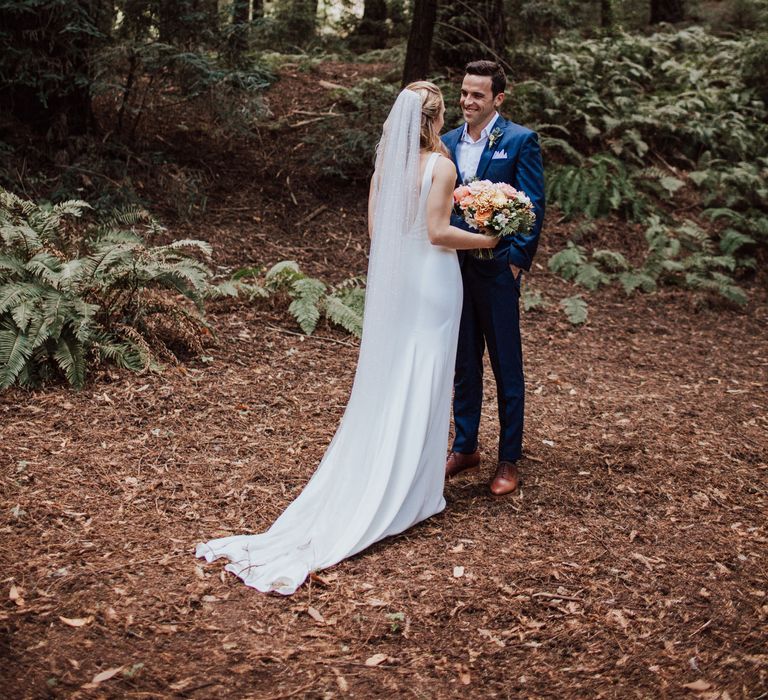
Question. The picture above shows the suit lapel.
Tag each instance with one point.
(487, 156)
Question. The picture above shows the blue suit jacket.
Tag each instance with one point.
(522, 168)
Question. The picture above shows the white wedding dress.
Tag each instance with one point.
(384, 469)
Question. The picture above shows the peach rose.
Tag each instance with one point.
(483, 216)
(460, 193)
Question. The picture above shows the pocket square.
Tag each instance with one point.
(499, 154)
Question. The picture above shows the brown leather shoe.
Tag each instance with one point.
(458, 462)
(506, 480)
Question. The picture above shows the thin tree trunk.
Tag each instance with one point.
(238, 38)
(372, 32)
(420, 41)
(667, 11)
(606, 14)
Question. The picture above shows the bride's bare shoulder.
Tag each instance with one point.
(444, 167)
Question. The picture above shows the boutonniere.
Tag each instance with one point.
(494, 136)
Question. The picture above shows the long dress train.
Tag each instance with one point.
(384, 469)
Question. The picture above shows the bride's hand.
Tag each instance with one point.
(489, 241)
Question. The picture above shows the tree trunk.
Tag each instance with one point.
(238, 37)
(257, 9)
(606, 14)
(304, 18)
(468, 30)
(420, 41)
(372, 31)
(667, 11)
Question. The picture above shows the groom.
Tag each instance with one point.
(489, 147)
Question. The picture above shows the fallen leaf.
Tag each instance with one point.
(77, 621)
(16, 595)
(458, 571)
(699, 685)
(458, 548)
(342, 683)
(315, 614)
(464, 676)
(619, 617)
(376, 659)
(376, 603)
(106, 675)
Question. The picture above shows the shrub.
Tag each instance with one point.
(348, 152)
(70, 300)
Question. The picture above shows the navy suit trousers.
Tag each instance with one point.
(490, 315)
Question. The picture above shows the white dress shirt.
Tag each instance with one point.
(468, 152)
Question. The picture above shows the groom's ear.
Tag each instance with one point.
(498, 100)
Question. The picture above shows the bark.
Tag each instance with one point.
(606, 14)
(420, 41)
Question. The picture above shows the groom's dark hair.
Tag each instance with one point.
(490, 69)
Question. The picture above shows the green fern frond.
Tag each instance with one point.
(575, 309)
(187, 243)
(15, 234)
(568, 261)
(11, 265)
(337, 312)
(15, 351)
(14, 293)
(611, 260)
(22, 314)
(45, 267)
(305, 307)
(282, 275)
(70, 358)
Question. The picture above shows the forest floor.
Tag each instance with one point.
(633, 561)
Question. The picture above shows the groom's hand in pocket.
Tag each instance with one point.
(516, 271)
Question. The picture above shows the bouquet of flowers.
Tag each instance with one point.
(495, 209)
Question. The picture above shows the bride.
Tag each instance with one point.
(384, 469)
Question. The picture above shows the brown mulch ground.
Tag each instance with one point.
(632, 563)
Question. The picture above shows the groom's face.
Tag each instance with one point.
(477, 101)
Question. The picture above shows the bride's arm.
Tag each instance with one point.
(372, 191)
(439, 205)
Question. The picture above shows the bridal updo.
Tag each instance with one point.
(431, 106)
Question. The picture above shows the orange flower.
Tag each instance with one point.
(460, 193)
(483, 216)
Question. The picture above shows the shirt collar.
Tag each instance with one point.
(483, 134)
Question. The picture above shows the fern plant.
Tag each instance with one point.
(311, 299)
(685, 256)
(70, 299)
(600, 185)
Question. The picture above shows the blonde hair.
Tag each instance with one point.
(431, 105)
